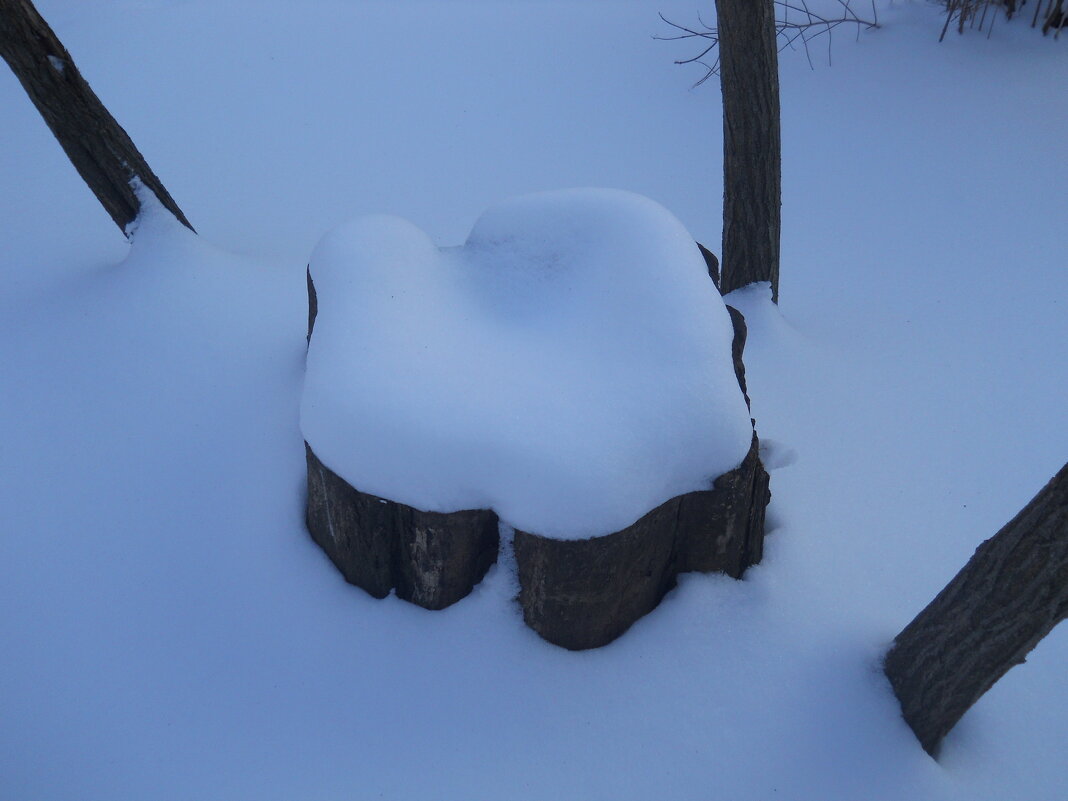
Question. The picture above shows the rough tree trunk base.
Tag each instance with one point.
(575, 593)
(431, 559)
(1010, 595)
(585, 593)
(96, 144)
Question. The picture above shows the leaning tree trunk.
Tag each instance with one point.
(95, 143)
(1010, 595)
(749, 77)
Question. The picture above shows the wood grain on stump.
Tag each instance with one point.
(432, 559)
(584, 593)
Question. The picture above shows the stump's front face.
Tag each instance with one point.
(722, 529)
(574, 593)
(584, 593)
(432, 559)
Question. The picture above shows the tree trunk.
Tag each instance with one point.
(1010, 595)
(749, 78)
(95, 143)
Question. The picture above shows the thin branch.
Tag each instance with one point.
(795, 23)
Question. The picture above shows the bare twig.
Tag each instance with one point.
(796, 25)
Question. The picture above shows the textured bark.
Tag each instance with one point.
(741, 333)
(585, 593)
(711, 262)
(96, 144)
(432, 559)
(722, 530)
(574, 593)
(1009, 596)
(749, 79)
(355, 530)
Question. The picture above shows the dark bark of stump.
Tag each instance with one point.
(96, 144)
(741, 333)
(313, 303)
(575, 593)
(749, 79)
(432, 559)
(1009, 596)
(723, 529)
(711, 262)
(585, 593)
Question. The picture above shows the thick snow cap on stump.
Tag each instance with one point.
(569, 366)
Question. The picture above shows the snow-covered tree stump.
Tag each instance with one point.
(432, 559)
(570, 367)
(574, 593)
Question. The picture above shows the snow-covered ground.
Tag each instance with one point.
(169, 629)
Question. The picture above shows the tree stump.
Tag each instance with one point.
(574, 593)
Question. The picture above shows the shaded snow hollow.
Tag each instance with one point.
(569, 366)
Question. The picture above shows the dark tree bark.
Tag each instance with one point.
(1010, 595)
(575, 593)
(313, 303)
(711, 262)
(432, 559)
(96, 144)
(749, 78)
(582, 594)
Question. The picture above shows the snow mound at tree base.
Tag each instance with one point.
(568, 367)
(576, 592)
